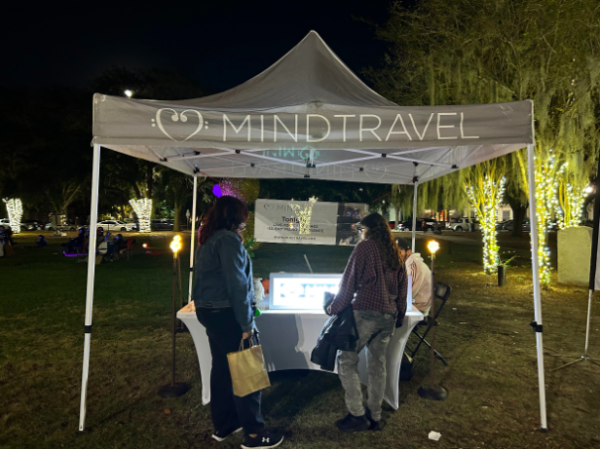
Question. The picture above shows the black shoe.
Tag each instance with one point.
(374, 425)
(353, 423)
(222, 435)
(263, 440)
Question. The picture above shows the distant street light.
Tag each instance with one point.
(128, 93)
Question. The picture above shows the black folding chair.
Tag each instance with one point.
(442, 293)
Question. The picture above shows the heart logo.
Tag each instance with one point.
(178, 117)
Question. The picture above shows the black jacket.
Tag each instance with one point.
(339, 333)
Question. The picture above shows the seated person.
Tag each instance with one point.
(76, 244)
(121, 243)
(8, 240)
(421, 276)
(41, 242)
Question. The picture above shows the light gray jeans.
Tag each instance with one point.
(374, 332)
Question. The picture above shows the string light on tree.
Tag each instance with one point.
(14, 206)
(571, 199)
(547, 206)
(485, 196)
(143, 209)
(548, 175)
(304, 215)
(231, 188)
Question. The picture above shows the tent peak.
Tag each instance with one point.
(310, 72)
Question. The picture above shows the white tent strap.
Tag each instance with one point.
(399, 158)
(360, 159)
(270, 168)
(196, 154)
(250, 153)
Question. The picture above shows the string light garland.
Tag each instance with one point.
(485, 198)
(143, 209)
(304, 215)
(14, 206)
(230, 188)
(571, 201)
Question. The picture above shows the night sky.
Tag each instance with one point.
(220, 44)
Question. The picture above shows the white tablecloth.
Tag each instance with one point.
(288, 338)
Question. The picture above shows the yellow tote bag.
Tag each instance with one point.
(248, 370)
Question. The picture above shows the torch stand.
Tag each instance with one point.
(174, 389)
(432, 391)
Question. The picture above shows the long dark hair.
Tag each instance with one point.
(228, 213)
(379, 231)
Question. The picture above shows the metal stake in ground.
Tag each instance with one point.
(433, 391)
(174, 389)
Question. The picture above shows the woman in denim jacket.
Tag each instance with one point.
(223, 295)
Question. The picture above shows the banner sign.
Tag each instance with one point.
(308, 222)
(143, 121)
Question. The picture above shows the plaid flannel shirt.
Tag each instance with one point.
(363, 275)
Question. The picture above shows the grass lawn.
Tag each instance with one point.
(484, 334)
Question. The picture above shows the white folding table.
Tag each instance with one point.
(288, 337)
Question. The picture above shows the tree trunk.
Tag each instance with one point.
(519, 211)
(149, 180)
(176, 221)
(136, 190)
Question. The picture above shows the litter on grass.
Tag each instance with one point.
(435, 436)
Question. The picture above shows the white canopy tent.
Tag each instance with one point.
(309, 116)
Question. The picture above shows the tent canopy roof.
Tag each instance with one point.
(309, 115)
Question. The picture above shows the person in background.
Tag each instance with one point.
(223, 296)
(374, 285)
(421, 276)
(8, 233)
(74, 245)
(41, 242)
(121, 243)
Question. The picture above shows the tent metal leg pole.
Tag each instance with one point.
(89, 296)
(587, 327)
(192, 239)
(414, 217)
(537, 301)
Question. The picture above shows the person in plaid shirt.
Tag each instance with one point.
(374, 284)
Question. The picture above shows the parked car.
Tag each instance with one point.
(430, 225)
(463, 224)
(500, 225)
(66, 226)
(510, 224)
(392, 224)
(347, 232)
(162, 224)
(31, 225)
(4, 224)
(116, 225)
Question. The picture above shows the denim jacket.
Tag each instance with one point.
(224, 277)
